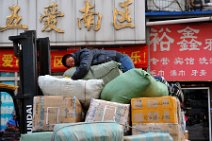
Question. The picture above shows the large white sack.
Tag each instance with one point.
(84, 90)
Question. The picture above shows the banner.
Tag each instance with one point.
(181, 52)
(9, 63)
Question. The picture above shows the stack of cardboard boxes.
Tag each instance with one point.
(157, 114)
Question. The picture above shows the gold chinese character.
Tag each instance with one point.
(135, 56)
(7, 60)
(57, 61)
(13, 21)
(88, 17)
(50, 16)
(124, 16)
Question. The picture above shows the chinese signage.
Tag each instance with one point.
(182, 52)
(75, 22)
(9, 63)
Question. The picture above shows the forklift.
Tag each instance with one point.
(34, 60)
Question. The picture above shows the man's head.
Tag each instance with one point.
(68, 61)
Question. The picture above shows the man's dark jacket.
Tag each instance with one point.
(84, 58)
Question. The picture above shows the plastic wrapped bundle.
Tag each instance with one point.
(131, 84)
(84, 90)
(88, 131)
(36, 136)
(149, 137)
(105, 71)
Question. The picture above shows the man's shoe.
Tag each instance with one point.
(175, 90)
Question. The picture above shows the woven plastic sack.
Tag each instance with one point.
(88, 131)
(106, 71)
(150, 136)
(84, 90)
(131, 84)
(36, 136)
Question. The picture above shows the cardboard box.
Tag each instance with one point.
(164, 109)
(51, 110)
(101, 110)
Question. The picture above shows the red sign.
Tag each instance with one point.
(56, 59)
(138, 53)
(182, 52)
(9, 63)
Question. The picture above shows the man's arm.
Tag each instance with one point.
(86, 57)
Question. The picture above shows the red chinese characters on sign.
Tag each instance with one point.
(181, 52)
(9, 63)
(56, 59)
(138, 54)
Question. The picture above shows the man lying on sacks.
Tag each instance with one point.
(84, 58)
(93, 69)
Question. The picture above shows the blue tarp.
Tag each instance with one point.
(7, 106)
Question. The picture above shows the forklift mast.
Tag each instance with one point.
(34, 60)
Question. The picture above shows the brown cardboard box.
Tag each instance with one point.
(102, 110)
(50, 110)
(164, 109)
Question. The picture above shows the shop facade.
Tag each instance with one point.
(183, 53)
(179, 40)
(70, 25)
(178, 52)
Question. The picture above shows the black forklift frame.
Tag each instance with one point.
(34, 60)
